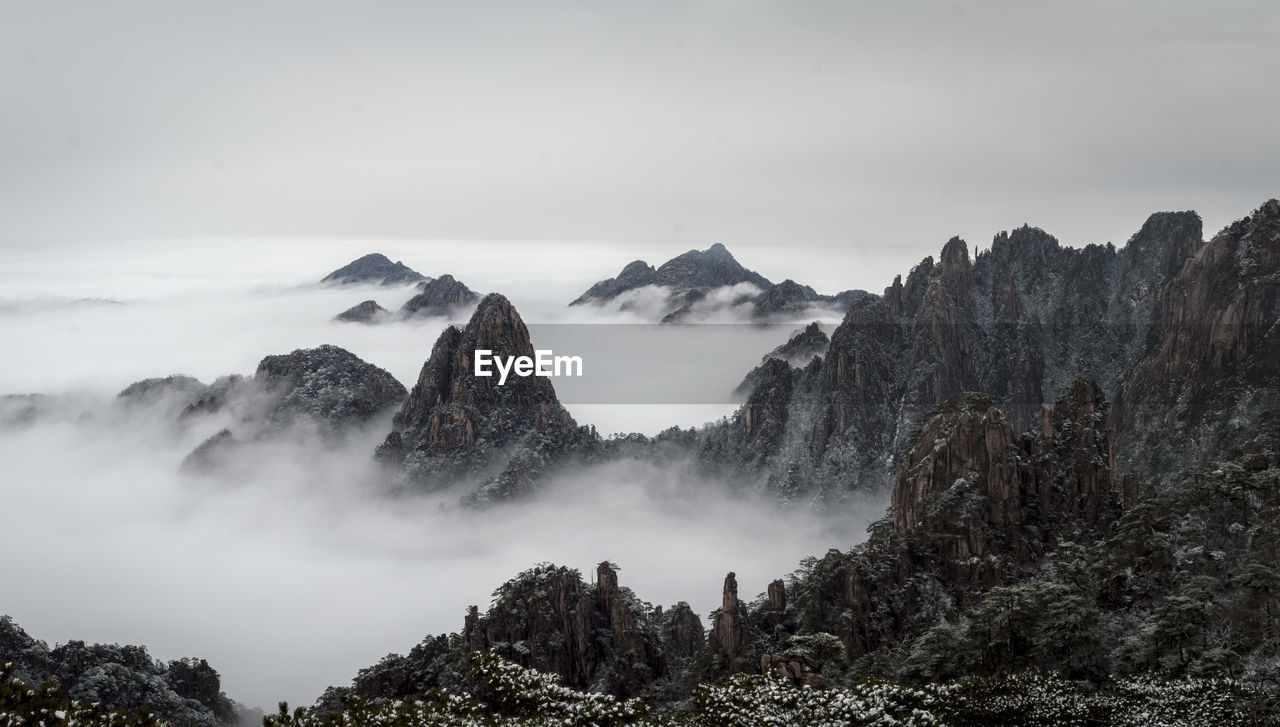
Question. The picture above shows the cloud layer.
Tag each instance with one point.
(295, 572)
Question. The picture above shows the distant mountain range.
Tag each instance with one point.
(686, 281)
(436, 297)
(1079, 448)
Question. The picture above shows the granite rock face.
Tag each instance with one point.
(455, 424)
(440, 297)
(589, 633)
(975, 506)
(1026, 318)
(374, 269)
(970, 488)
(1209, 374)
(728, 637)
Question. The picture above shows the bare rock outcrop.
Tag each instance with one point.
(1208, 375)
(456, 424)
(987, 502)
(728, 636)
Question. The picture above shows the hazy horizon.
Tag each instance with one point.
(817, 125)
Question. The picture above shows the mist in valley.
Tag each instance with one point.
(296, 568)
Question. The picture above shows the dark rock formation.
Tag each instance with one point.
(365, 312)
(973, 506)
(803, 346)
(971, 489)
(549, 619)
(728, 637)
(636, 274)
(323, 391)
(799, 669)
(440, 297)
(327, 386)
(455, 424)
(799, 350)
(1209, 374)
(694, 270)
(1025, 318)
(787, 297)
(374, 269)
(788, 300)
(689, 277)
(127, 678)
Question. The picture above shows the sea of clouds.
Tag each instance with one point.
(297, 572)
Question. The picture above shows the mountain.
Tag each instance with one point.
(374, 269)
(121, 678)
(714, 267)
(322, 391)
(1208, 375)
(456, 426)
(1013, 573)
(1024, 318)
(440, 297)
(365, 312)
(688, 278)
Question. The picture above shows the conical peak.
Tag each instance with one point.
(955, 252)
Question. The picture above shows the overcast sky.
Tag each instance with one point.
(882, 127)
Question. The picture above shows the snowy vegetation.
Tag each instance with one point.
(506, 694)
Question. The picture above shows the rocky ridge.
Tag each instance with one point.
(1025, 318)
(689, 278)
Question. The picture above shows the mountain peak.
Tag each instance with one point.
(455, 422)
(440, 297)
(375, 269)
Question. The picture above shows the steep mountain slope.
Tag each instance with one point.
(1025, 318)
(439, 297)
(456, 426)
(1210, 373)
(1000, 553)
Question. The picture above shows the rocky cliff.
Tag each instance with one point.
(1209, 374)
(457, 426)
(1023, 319)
